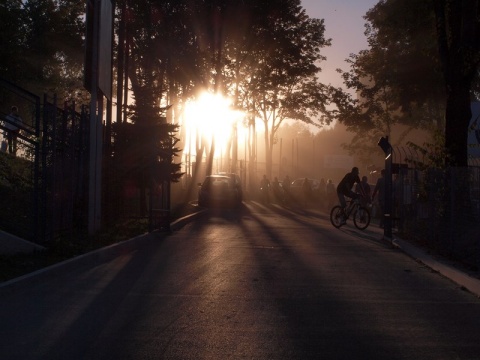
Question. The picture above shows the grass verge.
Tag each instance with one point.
(63, 248)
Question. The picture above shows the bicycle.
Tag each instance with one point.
(361, 215)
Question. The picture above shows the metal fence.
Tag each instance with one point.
(439, 208)
(20, 171)
(42, 185)
(64, 159)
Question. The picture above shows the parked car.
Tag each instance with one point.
(238, 182)
(219, 191)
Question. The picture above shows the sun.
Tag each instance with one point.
(212, 117)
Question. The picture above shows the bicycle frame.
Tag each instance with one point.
(352, 204)
(361, 215)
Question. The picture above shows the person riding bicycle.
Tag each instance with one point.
(344, 188)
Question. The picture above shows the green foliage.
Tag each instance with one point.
(16, 192)
(146, 149)
(429, 155)
(63, 248)
(430, 161)
(42, 45)
(277, 68)
(421, 70)
(403, 55)
(10, 38)
(266, 60)
(398, 79)
(15, 172)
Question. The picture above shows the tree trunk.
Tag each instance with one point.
(457, 35)
(252, 156)
(210, 157)
(458, 115)
(268, 152)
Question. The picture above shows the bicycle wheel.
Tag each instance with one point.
(361, 218)
(336, 216)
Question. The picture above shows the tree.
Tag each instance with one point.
(147, 145)
(42, 44)
(404, 78)
(11, 34)
(280, 65)
(458, 34)
(396, 80)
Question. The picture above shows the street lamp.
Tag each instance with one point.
(387, 211)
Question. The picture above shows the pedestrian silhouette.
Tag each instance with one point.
(11, 123)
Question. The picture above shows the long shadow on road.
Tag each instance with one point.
(296, 270)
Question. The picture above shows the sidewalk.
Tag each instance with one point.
(461, 278)
(443, 266)
(11, 244)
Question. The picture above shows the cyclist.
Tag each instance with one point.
(344, 188)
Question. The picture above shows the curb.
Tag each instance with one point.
(181, 222)
(462, 279)
(93, 258)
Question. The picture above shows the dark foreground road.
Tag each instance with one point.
(265, 283)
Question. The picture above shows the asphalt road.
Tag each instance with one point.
(262, 283)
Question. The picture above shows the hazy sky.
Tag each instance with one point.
(344, 24)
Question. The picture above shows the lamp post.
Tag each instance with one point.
(387, 211)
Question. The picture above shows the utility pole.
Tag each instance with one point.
(98, 80)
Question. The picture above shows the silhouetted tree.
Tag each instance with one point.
(400, 78)
(42, 45)
(458, 34)
(146, 146)
(280, 61)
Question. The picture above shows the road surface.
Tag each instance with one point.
(263, 282)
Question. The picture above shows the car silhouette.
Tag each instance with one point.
(219, 191)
